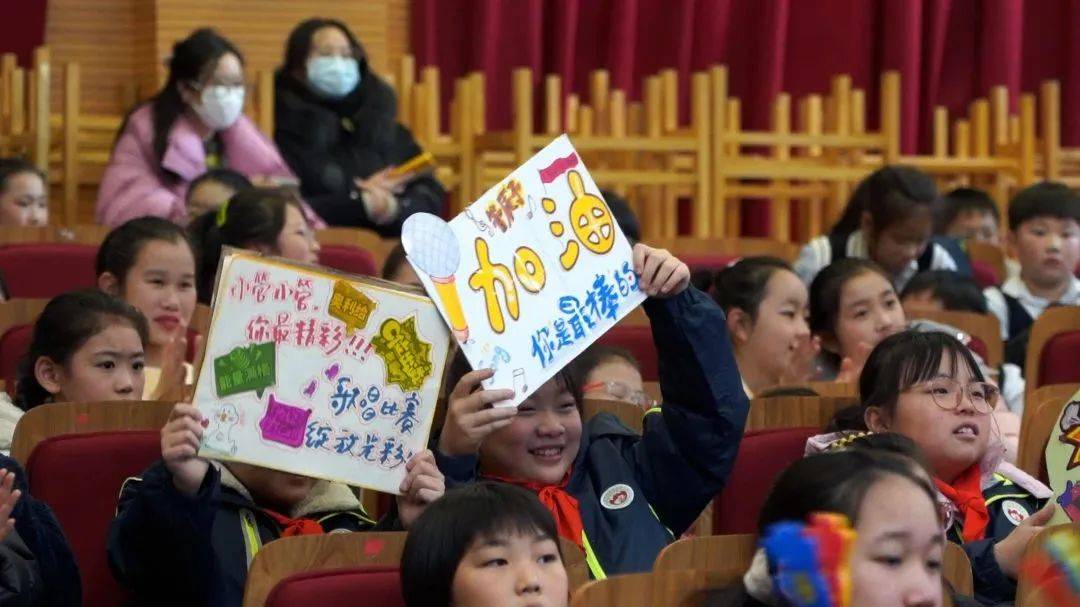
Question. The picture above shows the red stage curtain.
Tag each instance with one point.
(948, 51)
(22, 28)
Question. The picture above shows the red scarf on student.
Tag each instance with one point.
(295, 526)
(966, 494)
(563, 506)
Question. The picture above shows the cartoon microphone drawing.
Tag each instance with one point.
(432, 248)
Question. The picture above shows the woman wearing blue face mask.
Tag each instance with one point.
(336, 124)
(194, 123)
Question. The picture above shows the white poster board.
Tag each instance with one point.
(318, 373)
(1063, 462)
(531, 273)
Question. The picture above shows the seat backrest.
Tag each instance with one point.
(762, 456)
(1049, 359)
(712, 552)
(360, 238)
(956, 569)
(1036, 396)
(637, 339)
(339, 587)
(657, 589)
(795, 411)
(84, 503)
(984, 274)
(347, 258)
(71, 266)
(13, 346)
(629, 414)
(983, 329)
(987, 259)
(1035, 432)
(88, 234)
(290, 556)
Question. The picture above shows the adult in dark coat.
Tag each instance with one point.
(336, 125)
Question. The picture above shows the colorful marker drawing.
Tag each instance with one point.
(218, 435)
(246, 368)
(284, 423)
(407, 357)
(1062, 458)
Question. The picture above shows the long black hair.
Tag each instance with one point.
(66, 323)
(442, 535)
(252, 217)
(890, 194)
(193, 58)
(742, 284)
(298, 46)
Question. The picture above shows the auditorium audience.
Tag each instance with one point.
(148, 262)
(397, 268)
(193, 124)
(335, 122)
(970, 214)
(484, 544)
(928, 387)
(608, 373)
(609, 488)
(888, 220)
(940, 291)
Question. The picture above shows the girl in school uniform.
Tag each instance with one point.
(889, 220)
(929, 387)
(618, 495)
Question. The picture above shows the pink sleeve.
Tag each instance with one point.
(132, 185)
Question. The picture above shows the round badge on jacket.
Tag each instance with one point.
(1014, 511)
(617, 497)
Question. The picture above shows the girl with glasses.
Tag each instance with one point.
(928, 387)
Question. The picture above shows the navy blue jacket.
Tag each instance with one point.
(682, 459)
(1008, 504)
(39, 530)
(171, 549)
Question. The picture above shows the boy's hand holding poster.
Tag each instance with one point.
(1063, 462)
(317, 373)
(531, 273)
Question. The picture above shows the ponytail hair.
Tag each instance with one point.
(742, 284)
(66, 323)
(251, 218)
(890, 194)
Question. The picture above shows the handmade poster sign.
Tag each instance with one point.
(1063, 462)
(531, 273)
(317, 373)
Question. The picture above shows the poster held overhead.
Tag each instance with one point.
(531, 273)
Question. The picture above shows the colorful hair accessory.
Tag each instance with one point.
(811, 561)
(222, 214)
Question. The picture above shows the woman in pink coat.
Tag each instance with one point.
(193, 124)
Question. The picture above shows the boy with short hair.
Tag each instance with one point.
(970, 214)
(1044, 231)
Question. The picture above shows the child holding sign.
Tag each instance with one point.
(928, 386)
(199, 523)
(148, 262)
(620, 496)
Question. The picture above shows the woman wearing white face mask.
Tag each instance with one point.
(335, 123)
(194, 123)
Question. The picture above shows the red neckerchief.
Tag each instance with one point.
(295, 526)
(966, 494)
(563, 506)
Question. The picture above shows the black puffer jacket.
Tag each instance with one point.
(328, 143)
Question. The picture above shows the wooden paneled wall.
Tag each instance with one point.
(121, 45)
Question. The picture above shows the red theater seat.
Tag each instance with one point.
(762, 456)
(1058, 365)
(709, 261)
(339, 588)
(984, 274)
(85, 504)
(638, 340)
(13, 345)
(47, 270)
(353, 260)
